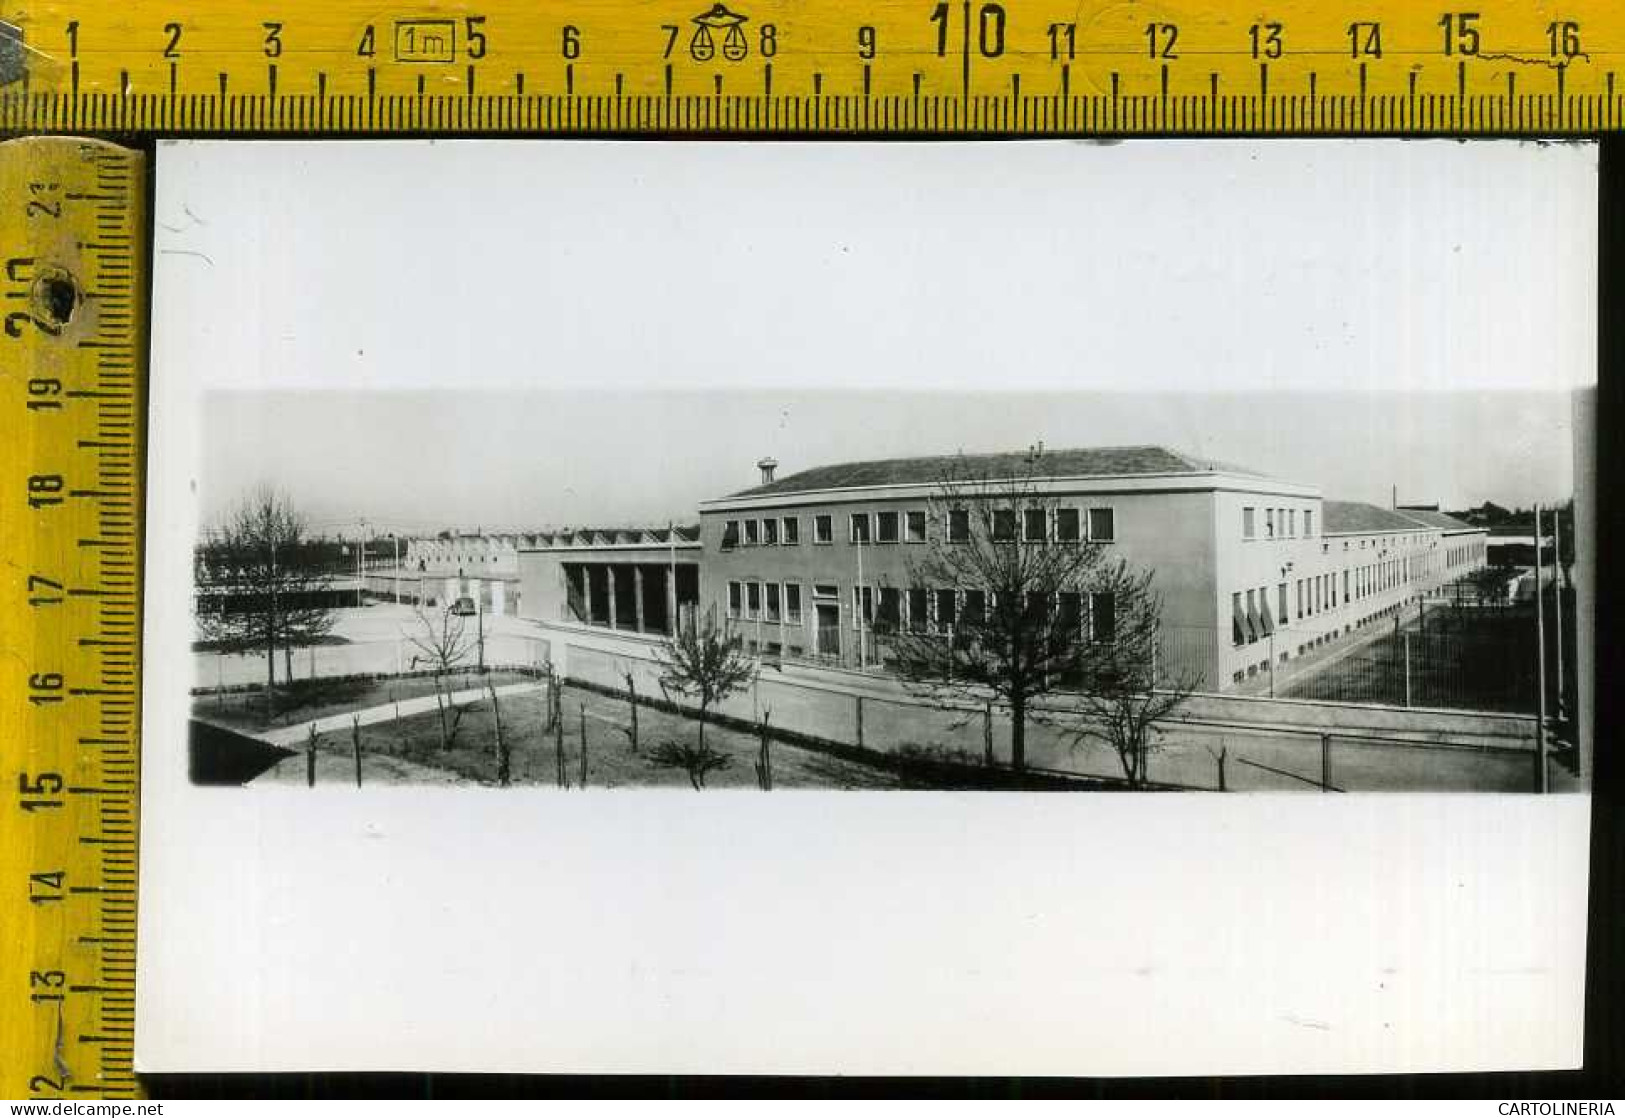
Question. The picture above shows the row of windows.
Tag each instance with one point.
(1279, 523)
(1253, 619)
(768, 601)
(1035, 525)
(919, 609)
(1464, 553)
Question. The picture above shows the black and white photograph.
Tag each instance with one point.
(1335, 580)
(544, 518)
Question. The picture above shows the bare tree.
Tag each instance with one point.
(261, 583)
(441, 640)
(1126, 692)
(1011, 598)
(701, 660)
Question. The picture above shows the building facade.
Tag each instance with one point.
(1250, 568)
(634, 580)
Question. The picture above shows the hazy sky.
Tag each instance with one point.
(412, 461)
(1399, 312)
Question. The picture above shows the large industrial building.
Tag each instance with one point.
(1251, 569)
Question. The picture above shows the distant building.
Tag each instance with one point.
(630, 579)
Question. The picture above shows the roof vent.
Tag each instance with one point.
(767, 466)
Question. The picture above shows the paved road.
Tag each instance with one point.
(378, 643)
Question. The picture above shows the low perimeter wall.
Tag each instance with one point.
(1265, 744)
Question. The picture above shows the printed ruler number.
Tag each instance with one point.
(1266, 39)
(1161, 39)
(1460, 32)
(990, 20)
(1563, 38)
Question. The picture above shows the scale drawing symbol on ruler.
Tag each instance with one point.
(702, 47)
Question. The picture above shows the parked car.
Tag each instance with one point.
(464, 607)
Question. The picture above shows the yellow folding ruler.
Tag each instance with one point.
(872, 66)
(73, 237)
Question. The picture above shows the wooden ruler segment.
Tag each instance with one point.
(868, 66)
(72, 234)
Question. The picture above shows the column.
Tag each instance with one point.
(637, 597)
(609, 569)
(499, 594)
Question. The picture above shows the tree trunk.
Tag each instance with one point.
(702, 726)
(440, 710)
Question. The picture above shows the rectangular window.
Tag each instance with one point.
(858, 528)
(752, 533)
(730, 535)
(891, 608)
(792, 530)
(958, 525)
(1280, 611)
(1037, 606)
(826, 590)
(1069, 611)
(1102, 525)
(863, 604)
(947, 615)
(771, 592)
(1004, 525)
(1269, 524)
(1066, 525)
(792, 602)
(1102, 617)
(1291, 522)
(1034, 525)
(1238, 621)
(770, 531)
(733, 599)
(918, 609)
(1309, 522)
(886, 527)
(1300, 599)
(975, 607)
(1249, 524)
(823, 529)
(915, 525)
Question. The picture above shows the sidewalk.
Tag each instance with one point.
(293, 736)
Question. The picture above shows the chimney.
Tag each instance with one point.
(767, 466)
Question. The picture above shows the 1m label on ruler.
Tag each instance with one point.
(789, 66)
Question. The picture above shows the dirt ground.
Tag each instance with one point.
(410, 750)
